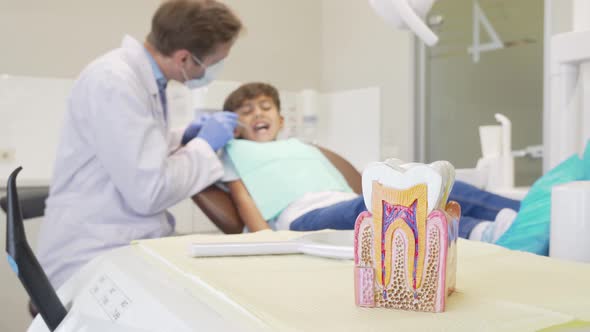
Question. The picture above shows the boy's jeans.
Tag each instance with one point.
(476, 206)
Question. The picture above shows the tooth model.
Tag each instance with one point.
(406, 246)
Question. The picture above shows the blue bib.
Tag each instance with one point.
(280, 172)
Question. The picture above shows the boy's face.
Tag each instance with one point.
(260, 118)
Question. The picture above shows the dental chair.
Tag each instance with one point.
(220, 209)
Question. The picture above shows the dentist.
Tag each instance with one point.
(118, 165)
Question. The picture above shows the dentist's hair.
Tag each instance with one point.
(195, 25)
(250, 91)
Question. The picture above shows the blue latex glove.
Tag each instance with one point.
(193, 129)
(219, 129)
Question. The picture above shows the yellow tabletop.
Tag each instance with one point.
(497, 289)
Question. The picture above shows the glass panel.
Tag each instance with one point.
(463, 92)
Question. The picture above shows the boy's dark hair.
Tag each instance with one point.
(250, 91)
(195, 25)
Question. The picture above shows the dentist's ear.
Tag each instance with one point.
(180, 56)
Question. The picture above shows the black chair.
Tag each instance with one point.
(32, 203)
(21, 257)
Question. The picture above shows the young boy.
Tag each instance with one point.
(290, 185)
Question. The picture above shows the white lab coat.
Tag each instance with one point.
(118, 166)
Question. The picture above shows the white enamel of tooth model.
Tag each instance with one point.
(394, 173)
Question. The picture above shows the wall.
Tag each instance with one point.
(58, 38)
(359, 51)
(561, 15)
(281, 44)
(294, 44)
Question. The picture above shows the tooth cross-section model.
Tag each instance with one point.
(405, 247)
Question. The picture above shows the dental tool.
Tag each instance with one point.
(214, 110)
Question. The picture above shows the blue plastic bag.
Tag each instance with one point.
(530, 230)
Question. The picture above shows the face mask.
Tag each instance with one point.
(210, 74)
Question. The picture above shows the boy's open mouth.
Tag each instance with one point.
(260, 127)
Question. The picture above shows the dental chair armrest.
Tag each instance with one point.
(218, 206)
(351, 174)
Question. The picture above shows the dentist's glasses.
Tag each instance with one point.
(199, 62)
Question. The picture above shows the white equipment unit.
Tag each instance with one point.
(127, 290)
(568, 130)
(568, 120)
(570, 222)
(495, 169)
(133, 289)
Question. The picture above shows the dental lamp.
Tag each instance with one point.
(407, 14)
